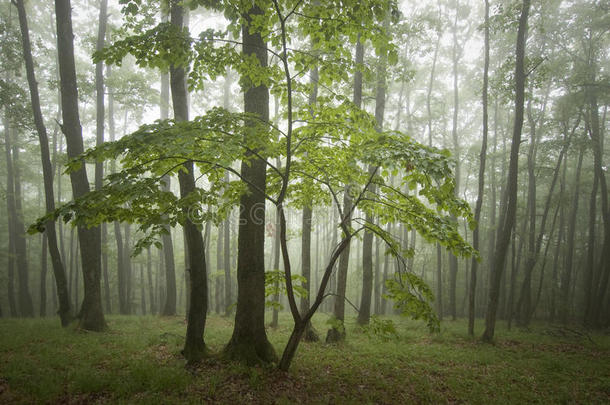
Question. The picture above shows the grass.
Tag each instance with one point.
(138, 361)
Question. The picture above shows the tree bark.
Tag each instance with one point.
(24, 299)
(91, 316)
(51, 237)
(194, 346)
(364, 314)
(482, 159)
(566, 279)
(334, 334)
(508, 218)
(453, 262)
(249, 342)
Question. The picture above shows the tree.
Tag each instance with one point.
(90, 316)
(246, 137)
(337, 332)
(509, 206)
(249, 340)
(51, 237)
(194, 346)
(481, 187)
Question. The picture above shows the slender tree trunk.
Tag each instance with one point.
(589, 286)
(334, 334)
(50, 237)
(453, 262)
(24, 299)
(558, 248)
(194, 346)
(118, 234)
(249, 340)
(105, 267)
(128, 268)
(310, 334)
(99, 139)
(508, 217)
(364, 314)
(566, 279)
(228, 300)
(219, 268)
(43, 276)
(151, 289)
(276, 264)
(603, 272)
(169, 306)
(482, 158)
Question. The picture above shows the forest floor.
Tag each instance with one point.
(138, 361)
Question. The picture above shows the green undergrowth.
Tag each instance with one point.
(138, 361)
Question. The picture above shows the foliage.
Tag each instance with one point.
(380, 328)
(411, 296)
(336, 324)
(275, 285)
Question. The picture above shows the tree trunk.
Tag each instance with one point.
(508, 218)
(99, 139)
(453, 262)
(334, 334)
(24, 299)
(50, 235)
(558, 248)
(249, 342)
(151, 289)
(169, 306)
(194, 346)
(364, 314)
(482, 158)
(276, 264)
(228, 301)
(105, 267)
(589, 286)
(566, 279)
(310, 334)
(91, 316)
(603, 268)
(219, 268)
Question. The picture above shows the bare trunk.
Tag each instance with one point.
(91, 316)
(194, 346)
(481, 189)
(508, 217)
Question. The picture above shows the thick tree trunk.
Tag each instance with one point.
(194, 346)
(508, 218)
(249, 342)
(91, 316)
